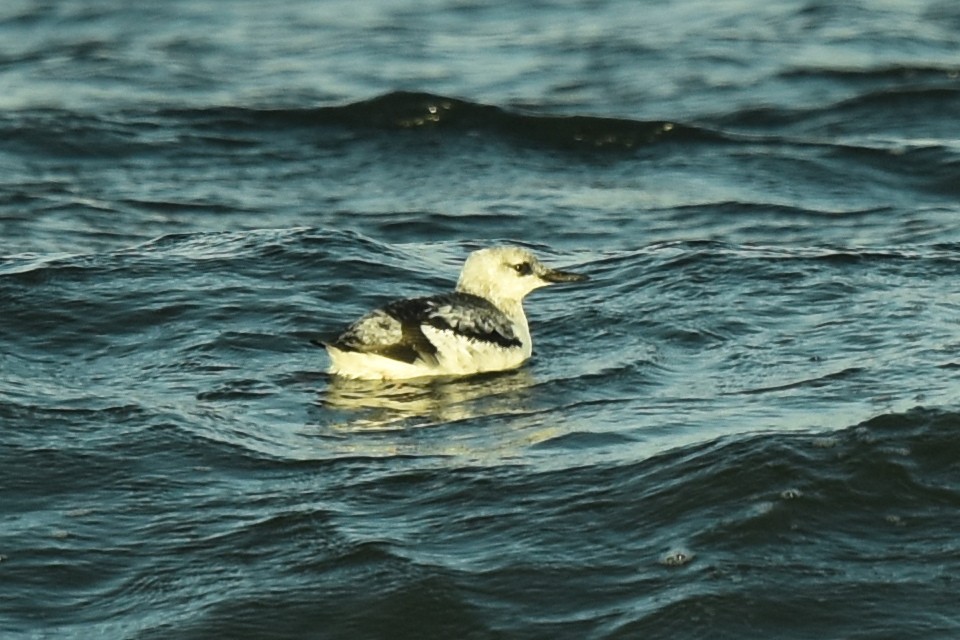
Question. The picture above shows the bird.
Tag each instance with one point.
(478, 327)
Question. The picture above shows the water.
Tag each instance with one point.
(745, 425)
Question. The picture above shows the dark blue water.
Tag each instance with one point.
(746, 425)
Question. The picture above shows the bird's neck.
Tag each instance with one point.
(513, 309)
(519, 319)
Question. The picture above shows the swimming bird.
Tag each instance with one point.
(478, 327)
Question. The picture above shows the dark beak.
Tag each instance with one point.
(552, 275)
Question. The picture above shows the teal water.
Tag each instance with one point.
(744, 426)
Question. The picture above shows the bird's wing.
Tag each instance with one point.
(396, 330)
(393, 332)
(473, 317)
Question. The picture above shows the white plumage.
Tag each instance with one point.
(478, 327)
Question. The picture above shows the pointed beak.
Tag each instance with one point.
(554, 275)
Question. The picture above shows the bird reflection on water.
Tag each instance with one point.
(379, 405)
(489, 419)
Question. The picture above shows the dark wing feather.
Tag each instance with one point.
(395, 330)
(383, 332)
(473, 317)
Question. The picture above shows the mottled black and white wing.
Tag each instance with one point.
(382, 333)
(396, 330)
(472, 317)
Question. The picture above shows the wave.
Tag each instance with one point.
(238, 128)
(406, 110)
(884, 73)
(880, 109)
(65, 133)
(751, 524)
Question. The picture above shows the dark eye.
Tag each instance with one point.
(523, 269)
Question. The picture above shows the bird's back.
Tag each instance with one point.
(454, 333)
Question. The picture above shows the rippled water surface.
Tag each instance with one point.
(745, 425)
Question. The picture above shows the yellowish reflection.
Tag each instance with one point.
(382, 404)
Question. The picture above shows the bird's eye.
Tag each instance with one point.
(523, 269)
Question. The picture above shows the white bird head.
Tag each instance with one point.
(504, 275)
